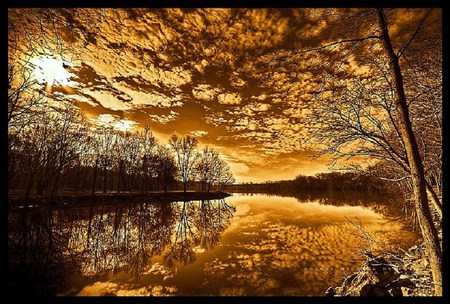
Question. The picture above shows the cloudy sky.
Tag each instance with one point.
(228, 76)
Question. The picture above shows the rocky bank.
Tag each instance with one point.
(389, 275)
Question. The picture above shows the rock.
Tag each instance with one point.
(395, 292)
(378, 291)
(330, 292)
(403, 282)
(424, 262)
(406, 292)
(359, 285)
(373, 279)
(413, 248)
(361, 290)
(382, 271)
(408, 276)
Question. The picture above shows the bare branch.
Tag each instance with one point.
(403, 49)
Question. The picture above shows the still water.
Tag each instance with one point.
(241, 245)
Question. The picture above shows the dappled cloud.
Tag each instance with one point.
(235, 70)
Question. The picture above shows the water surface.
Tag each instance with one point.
(243, 245)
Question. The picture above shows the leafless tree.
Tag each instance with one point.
(206, 167)
(186, 156)
(362, 129)
(146, 151)
(164, 167)
(211, 169)
(185, 238)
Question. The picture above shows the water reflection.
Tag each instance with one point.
(46, 247)
(247, 245)
(386, 204)
(278, 246)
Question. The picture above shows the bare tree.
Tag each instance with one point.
(182, 248)
(224, 176)
(212, 170)
(186, 156)
(105, 147)
(147, 145)
(35, 32)
(164, 167)
(206, 167)
(360, 125)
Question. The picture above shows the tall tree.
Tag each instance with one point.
(354, 37)
(146, 151)
(164, 167)
(206, 167)
(223, 175)
(186, 156)
(413, 155)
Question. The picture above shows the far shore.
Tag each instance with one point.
(73, 199)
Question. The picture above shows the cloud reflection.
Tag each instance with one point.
(110, 289)
(293, 248)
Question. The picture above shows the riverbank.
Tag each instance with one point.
(406, 274)
(81, 199)
(389, 275)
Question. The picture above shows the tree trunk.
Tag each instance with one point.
(89, 230)
(41, 183)
(55, 185)
(104, 178)
(11, 166)
(118, 181)
(77, 178)
(130, 182)
(29, 187)
(94, 178)
(427, 227)
(86, 170)
(434, 199)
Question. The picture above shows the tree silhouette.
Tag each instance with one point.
(186, 156)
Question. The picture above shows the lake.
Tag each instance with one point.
(242, 245)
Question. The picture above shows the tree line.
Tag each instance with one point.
(333, 181)
(58, 149)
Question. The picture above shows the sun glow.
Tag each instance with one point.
(51, 71)
(124, 125)
(108, 120)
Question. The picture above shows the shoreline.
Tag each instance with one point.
(85, 199)
(406, 274)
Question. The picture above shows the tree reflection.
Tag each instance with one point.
(182, 248)
(35, 257)
(211, 221)
(388, 205)
(48, 246)
(200, 226)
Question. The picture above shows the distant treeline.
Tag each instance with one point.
(333, 181)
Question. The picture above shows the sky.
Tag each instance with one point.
(227, 76)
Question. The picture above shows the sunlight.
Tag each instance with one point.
(108, 120)
(124, 125)
(51, 71)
